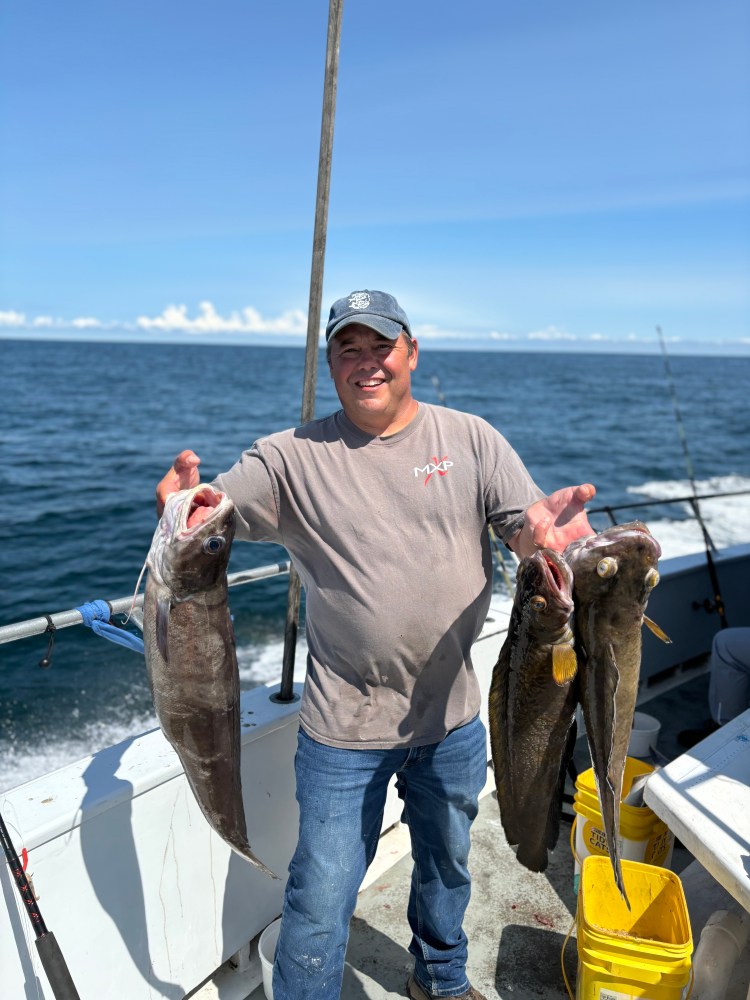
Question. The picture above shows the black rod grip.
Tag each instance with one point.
(54, 965)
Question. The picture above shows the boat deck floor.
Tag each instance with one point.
(517, 920)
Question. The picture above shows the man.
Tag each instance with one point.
(384, 507)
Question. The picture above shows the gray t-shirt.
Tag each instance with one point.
(389, 536)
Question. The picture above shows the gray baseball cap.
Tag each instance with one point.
(378, 310)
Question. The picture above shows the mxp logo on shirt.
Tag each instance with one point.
(440, 466)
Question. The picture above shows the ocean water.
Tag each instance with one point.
(89, 429)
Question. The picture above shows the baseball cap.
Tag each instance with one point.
(378, 310)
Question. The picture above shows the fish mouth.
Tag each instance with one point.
(557, 573)
(202, 504)
(195, 508)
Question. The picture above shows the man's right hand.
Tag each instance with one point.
(182, 476)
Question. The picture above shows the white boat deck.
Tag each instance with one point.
(704, 797)
(516, 923)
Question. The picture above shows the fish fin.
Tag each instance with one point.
(564, 664)
(658, 632)
(163, 606)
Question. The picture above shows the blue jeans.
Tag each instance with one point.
(341, 795)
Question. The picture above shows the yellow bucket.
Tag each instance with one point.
(639, 953)
(643, 836)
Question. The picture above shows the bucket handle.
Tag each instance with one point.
(562, 959)
(573, 842)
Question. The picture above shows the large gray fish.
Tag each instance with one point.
(532, 704)
(613, 574)
(190, 654)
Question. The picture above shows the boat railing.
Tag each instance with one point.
(133, 608)
(124, 605)
(691, 499)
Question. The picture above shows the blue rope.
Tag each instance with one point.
(96, 614)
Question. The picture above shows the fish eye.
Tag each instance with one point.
(652, 578)
(538, 603)
(606, 567)
(214, 544)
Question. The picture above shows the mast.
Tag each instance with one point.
(335, 14)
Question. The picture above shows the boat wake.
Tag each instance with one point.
(727, 518)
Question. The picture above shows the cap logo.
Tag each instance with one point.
(359, 300)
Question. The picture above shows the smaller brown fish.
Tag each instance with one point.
(613, 574)
(532, 705)
(191, 658)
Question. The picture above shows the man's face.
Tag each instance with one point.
(372, 376)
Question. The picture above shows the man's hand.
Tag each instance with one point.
(555, 521)
(182, 476)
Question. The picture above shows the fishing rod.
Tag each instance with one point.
(718, 600)
(52, 959)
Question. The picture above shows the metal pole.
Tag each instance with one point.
(335, 14)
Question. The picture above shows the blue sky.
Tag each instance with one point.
(525, 174)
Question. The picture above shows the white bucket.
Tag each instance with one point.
(267, 952)
(644, 735)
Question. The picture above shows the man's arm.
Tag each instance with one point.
(183, 475)
(554, 521)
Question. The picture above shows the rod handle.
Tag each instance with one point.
(54, 965)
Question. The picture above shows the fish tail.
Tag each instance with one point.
(248, 855)
(611, 816)
(620, 883)
(532, 854)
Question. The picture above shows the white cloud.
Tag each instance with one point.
(87, 323)
(11, 318)
(550, 333)
(428, 331)
(21, 321)
(208, 320)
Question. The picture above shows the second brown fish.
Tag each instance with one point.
(614, 573)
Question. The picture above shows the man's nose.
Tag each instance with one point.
(368, 358)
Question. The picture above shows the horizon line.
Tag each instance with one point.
(532, 345)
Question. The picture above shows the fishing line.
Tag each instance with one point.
(135, 592)
(718, 601)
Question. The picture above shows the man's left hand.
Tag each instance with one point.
(555, 521)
